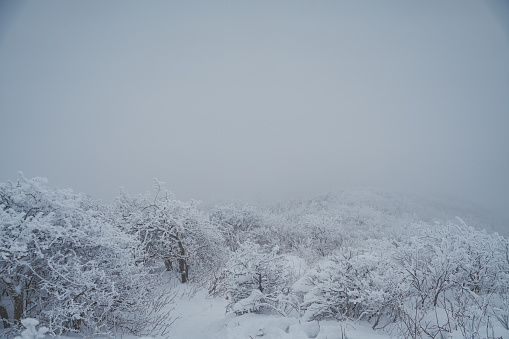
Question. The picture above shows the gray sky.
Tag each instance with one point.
(257, 98)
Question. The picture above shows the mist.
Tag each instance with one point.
(257, 99)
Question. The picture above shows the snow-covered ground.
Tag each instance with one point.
(203, 317)
(196, 313)
(275, 327)
(365, 257)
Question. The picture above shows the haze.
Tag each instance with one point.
(257, 99)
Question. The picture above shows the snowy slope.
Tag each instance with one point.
(204, 317)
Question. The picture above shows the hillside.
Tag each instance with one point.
(353, 264)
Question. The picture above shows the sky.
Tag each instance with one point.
(257, 99)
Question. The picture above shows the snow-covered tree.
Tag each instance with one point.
(254, 268)
(238, 224)
(169, 230)
(353, 284)
(62, 263)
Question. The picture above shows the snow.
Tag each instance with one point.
(425, 278)
(196, 311)
(248, 304)
(31, 332)
(302, 285)
(278, 327)
(200, 316)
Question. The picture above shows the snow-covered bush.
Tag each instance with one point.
(237, 224)
(170, 231)
(80, 267)
(63, 263)
(352, 284)
(251, 268)
(445, 278)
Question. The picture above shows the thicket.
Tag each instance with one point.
(368, 259)
(80, 267)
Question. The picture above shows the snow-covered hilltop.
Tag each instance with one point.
(345, 265)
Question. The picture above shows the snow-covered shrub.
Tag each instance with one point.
(237, 224)
(310, 235)
(446, 277)
(325, 233)
(457, 280)
(170, 231)
(430, 263)
(252, 267)
(353, 284)
(251, 304)
(63, 263)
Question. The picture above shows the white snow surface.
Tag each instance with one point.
(196, 313)
(203, 317)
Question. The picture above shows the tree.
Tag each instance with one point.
(169, 230)
(63, 263)
(237, 224)
(254, 268)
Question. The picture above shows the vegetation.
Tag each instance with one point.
(80, 267)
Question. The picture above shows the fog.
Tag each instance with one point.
(257, 99)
